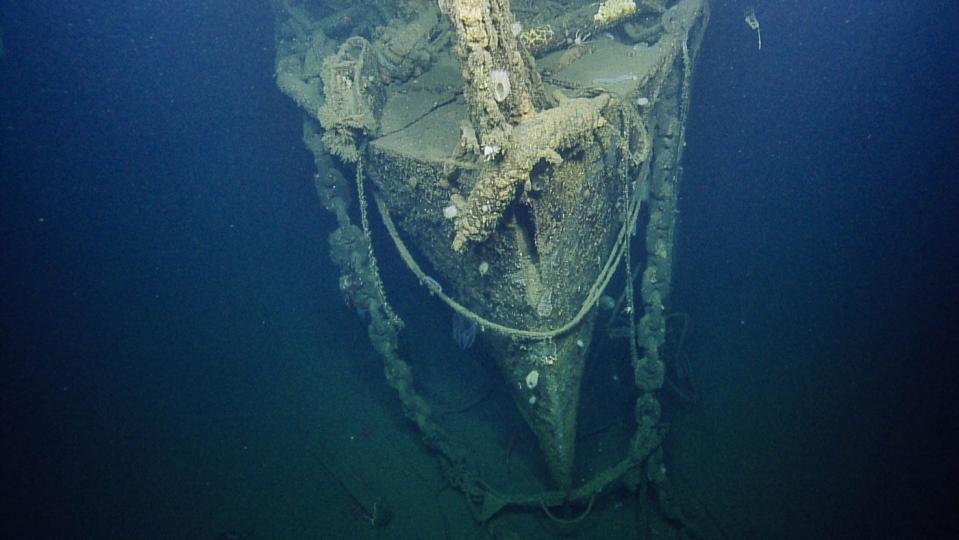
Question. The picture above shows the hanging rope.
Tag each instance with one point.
(485, 502)
(592, 296)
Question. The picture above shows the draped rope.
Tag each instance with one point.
(592, 296)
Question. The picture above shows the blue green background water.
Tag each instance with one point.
(175, 349)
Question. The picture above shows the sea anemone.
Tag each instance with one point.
(499, 82)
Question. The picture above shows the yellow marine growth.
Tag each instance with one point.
(538, 38)
(541, 137)
(612, 11)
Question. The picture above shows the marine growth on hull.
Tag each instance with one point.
(524, 159)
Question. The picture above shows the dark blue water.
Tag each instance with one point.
(819, 258)
(167, 303)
